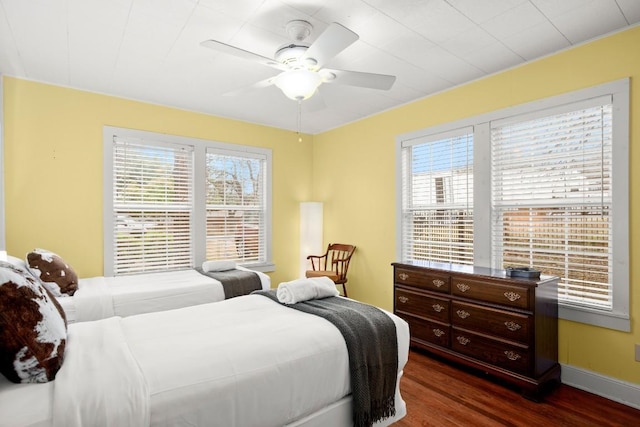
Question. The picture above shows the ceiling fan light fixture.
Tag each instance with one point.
(299, 84)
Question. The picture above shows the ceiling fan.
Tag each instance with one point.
(302, 63)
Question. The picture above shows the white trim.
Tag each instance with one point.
(398, 199)
(3, 239)
(199, 148)
(482, 195)
(611, 388)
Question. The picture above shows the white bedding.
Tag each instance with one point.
(248, 361)
(102, 297)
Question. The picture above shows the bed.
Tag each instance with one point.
(101, 297)
(246, 361)
(94, 298)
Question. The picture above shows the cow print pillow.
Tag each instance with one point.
(33, 330)
(54, 273)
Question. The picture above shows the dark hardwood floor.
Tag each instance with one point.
(439, 393)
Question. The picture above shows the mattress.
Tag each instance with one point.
(101, 297)
(246, 361)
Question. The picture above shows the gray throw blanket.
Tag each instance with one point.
(235, 282)
(372, 344)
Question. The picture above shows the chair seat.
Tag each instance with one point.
(322, 273)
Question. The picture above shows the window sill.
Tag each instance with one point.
(612, 320)
(264, 268)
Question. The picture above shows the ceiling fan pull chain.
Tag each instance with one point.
(299, 124)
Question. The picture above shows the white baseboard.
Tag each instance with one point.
(619, 391)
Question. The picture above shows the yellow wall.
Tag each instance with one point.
(53, 169)
(53, 174)
(358, 186)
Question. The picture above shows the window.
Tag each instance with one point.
(152, 206)
(553, 195)
(552, 198)
(235, 208)
(437, 193)
(173, 202)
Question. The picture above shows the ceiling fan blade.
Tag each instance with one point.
(331, 42)
(246, 89)
(244, 54)
(357, 78)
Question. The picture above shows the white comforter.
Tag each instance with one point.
(101, 297)
(100, 382)
(247, 361)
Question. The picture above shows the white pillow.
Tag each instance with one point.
(223, 265)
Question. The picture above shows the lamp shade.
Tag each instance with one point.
(298, 84)
(310, 233)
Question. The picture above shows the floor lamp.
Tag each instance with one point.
(310, 233)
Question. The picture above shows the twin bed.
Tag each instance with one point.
(245, 361)
(101, 297)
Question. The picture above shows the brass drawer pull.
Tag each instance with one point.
(403, 299)
(512, 326)
(512, 355)
(463, 287)
(463, 314)
(463, 340)
(438, 332)
(512, 296)
(437, 282)
(437, 308)
(403, 276)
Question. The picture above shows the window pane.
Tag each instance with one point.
(236, 208)
(437, 197)
(153, 204)
(552, 200)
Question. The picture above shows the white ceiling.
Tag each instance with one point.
(149, 50)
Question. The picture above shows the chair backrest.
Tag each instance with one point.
(337, 259)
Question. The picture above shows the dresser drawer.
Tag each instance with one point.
(505, 324)
(422, 305)
(493, 292)
(508, 356)
(428, 331)
(428, 280)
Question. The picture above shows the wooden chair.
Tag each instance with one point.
(333, 264)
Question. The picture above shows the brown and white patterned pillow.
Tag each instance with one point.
(33, 330)
(53, 272)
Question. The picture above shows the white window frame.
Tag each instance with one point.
(199, 217)
(244, 155)
(618, 318)
(3, 241)
(408, 206)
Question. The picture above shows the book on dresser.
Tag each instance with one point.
(483, 318)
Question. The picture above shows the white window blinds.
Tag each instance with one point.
(152, 206)
(437, 198)
(236, 206)
(551, 198)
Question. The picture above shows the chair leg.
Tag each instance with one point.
(344, 289)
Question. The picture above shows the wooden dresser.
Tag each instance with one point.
(504, 326)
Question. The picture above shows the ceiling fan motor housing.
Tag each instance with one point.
(290, 53)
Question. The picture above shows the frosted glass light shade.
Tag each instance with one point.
(310, 233)
(298, 84)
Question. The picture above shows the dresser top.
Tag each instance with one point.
(473, 270)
